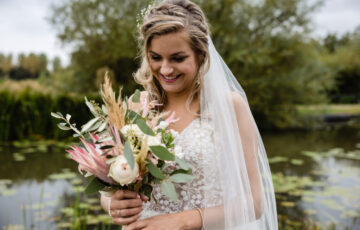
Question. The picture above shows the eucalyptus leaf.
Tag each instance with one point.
(63, 127)
(102, 126)
(104, 109)
(68, 116)
(128, 153)
(183, 164)
(109, 138)
(169, 190)
(95, 126)
(56, 115)
(162, 153)
(136, 96)
(144, 127)
(182, 171)
(155, 171)
(94, 186)
(181, 178)
(89, 124)
(133, 116)
(91, 107)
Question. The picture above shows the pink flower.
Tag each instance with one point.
(171, 118)
(147, 106)
(91, 160)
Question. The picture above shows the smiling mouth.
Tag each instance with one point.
(172, 78)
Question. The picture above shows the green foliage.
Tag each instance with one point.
(27, 113)
(103, 33)
(266, 45)
(343, 57)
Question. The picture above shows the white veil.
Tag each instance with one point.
(247, 200)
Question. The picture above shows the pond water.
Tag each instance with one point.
(316, 177)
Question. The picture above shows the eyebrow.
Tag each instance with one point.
(174, 54)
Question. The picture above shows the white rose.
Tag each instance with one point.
(132, 130)
(121, 171)
(153, 140)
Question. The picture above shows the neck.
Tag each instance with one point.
(177, 103)
(175, 100)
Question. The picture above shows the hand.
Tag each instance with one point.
(161, 222)
(125, 206)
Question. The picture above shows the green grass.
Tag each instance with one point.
(331, 109)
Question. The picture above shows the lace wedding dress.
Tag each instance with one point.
(196, 145)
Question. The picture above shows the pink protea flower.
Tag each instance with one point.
(91, 160)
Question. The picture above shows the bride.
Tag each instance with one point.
(217, 134)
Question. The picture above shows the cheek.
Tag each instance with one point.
(190, 67)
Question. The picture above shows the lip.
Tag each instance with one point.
(172, 80)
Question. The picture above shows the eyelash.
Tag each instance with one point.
(176, 59)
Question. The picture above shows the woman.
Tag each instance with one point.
(232, 188)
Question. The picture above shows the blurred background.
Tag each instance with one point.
(297, 60)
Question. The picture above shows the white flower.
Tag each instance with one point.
(178, 151)
(153, 140)
(174, 133)
(162, 125)
(121, 171)
(132, 130)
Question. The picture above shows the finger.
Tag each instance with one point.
(143, 197)
(126, 212)
(124, 194)
(125, 221)
(124, 204)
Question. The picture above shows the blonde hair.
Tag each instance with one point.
(171, 16)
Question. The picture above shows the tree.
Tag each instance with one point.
(33, 63)
(345, 62)
(103, 33)
(5, 64)
(56, 64)
(265, 43)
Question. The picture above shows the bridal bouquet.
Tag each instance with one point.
(127, 145)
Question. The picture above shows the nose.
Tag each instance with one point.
(166, 69)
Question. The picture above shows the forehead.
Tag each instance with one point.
(170, 43)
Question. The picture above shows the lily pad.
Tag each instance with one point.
(18, 157)
(288, 204)
(277, 159)
(296, 161)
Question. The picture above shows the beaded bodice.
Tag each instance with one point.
(195, 144)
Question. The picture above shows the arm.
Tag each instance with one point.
(249, 139)
(186, 220)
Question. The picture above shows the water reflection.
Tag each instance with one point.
(325, 185)
(320, 187)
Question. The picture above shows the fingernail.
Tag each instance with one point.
(138, 196)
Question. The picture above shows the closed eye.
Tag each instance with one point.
(155, 58)
(179, 59)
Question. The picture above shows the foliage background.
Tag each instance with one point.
(267, 45)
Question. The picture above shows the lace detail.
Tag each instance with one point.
(195, 144)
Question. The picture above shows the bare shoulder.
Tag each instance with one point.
(239, 102)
